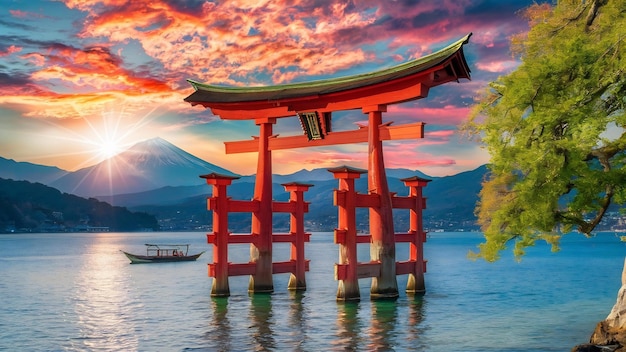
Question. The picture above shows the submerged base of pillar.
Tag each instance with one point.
(376, 293)
(261, 281)
(295, 284)
(384, 287)
(415, 292)
(415, 285)
(219, 290)
(257, 287)
(384, 296)
(348, 299)
(348, 291)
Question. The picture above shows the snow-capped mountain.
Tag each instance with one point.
(147, 165)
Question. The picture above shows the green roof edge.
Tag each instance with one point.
(447, 51)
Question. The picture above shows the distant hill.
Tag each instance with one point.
(34, 207)
(241, 187)
(159, 178)
(148, 165)
(450, 202)
(309, 176)
(11, 169)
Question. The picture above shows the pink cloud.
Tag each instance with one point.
(434, 162)
(24, 14)
(497, 66)
(447, 115)
(441, 133)
(35, 58)
(10, 50)
(407, 155)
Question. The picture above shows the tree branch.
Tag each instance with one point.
(588, 226)
(593, 12)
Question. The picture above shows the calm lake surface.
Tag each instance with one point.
(78, 292)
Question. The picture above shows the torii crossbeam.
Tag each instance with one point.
(314, 102)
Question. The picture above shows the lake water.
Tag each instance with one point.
(78, 292)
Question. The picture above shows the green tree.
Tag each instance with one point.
(554, 127)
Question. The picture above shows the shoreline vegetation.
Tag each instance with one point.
(34, 207)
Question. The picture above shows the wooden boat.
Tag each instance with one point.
(163, 253)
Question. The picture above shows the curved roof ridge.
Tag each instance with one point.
(394, 71)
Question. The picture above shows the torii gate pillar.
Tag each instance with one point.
(261, 249)
(383, 246)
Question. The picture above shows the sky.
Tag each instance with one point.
(81, 80)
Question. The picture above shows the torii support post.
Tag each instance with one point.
(219, 204)
(415, 283)
(383, 245)
(345, 234)
(297, 280)
(261, 250)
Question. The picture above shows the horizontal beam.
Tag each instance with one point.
(387, 133)
(234, 206)
(406, 202)
(251, 238)
(234, 239)
(363, 270)
(341, 237)
(408, 267)
(372, 269)
(240, 269)
(235, 269)
(406, 237)
(360, 200)
(288, 267)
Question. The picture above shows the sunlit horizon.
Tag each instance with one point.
(103, 76)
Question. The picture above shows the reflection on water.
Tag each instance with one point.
(277, 322)
(382, 331)
(348, 325)
(297, 318)
(101, 303)
(221, 323)
(262, 319)
(416, 315)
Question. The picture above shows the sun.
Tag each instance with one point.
(108, 148)
(107, 137)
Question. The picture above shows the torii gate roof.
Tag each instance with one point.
(405, 82)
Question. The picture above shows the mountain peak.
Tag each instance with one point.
(149, 164)
(157, 152)
(152, 143)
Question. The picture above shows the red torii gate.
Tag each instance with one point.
(314, 103)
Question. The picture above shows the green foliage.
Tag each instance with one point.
(555, 128)
(33, 205)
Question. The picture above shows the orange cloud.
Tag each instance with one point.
(220, 41)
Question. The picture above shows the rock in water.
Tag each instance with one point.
(617, 317)
(610, 334)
